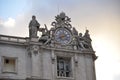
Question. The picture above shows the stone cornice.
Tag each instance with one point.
(69, 50)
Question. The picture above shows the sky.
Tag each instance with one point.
(101, 17)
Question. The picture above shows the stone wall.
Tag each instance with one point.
(45, 60)
(19, 52)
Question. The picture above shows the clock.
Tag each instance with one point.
(63, 36)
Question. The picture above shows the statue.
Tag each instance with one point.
(80, 41)
(75, 32)
(80, 37)
(87, 40)
(45, 38)
(33, 27)
(87, 37)
(84, 41)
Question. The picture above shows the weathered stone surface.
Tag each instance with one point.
(37, 60)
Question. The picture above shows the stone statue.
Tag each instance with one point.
(75, 32)
(87, 40)
(87, 36)
(33, 27)
(80, 37)
(45, 38)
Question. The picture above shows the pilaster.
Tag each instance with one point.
(35, 58)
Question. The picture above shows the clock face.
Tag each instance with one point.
(62, 36)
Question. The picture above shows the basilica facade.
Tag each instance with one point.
(60, 53)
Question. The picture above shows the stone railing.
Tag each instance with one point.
(13, 39)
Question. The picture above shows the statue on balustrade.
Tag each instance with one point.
(33, 27)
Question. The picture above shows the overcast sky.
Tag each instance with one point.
(101, 17)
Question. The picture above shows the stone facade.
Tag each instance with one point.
(61, 53)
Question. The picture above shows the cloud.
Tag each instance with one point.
(10, 22)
